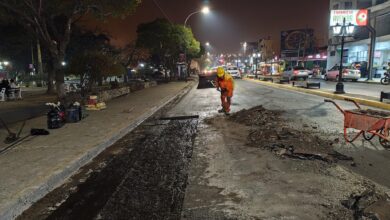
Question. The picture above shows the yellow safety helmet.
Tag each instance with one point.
(220, 72)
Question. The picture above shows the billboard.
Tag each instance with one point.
(354, 17)
(297, 39)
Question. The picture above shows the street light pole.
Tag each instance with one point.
(204, 10)
(340, 84)
(342, 30)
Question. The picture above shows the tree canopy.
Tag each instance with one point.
(167, 40)
(52, 22)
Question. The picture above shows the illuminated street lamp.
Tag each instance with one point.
(342, 31)
(5, 63)
(207, 44)
(204, 10)
(245, 46)
(63, 63)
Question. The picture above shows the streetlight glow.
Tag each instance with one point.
(5, 63)
(207, 44)
(337, 29)
(205, 10)
(350, 29)
(63, 63)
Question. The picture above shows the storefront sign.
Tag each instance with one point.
(355, 17)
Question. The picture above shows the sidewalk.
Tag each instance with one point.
(37, 165)
(361, 99)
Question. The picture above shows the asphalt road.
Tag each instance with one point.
(301, 110)
(154, 167)
(365, 89)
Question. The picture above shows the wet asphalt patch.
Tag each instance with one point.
(145, 180)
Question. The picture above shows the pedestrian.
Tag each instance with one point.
(5, 84)
(225, 85)
(13, 84)
(388, 67)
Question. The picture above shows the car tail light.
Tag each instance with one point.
(296, 72)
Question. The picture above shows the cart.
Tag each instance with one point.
(366, 122)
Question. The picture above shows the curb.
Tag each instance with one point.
(13, 210)
(367, 102)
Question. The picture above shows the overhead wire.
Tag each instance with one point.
(163, 12)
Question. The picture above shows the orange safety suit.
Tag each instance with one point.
(226, 85)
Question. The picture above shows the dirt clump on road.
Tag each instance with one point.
(268, 130)
(369, 204)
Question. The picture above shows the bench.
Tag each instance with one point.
(15, 93)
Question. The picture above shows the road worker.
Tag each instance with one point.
(224, 83)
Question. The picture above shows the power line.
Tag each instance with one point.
(162, 11)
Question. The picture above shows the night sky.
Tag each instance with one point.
(229, 22)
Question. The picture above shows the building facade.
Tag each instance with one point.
(267, 49)
(357, 48)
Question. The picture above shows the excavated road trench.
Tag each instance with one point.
(142, 176)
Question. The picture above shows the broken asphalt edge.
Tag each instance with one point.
(367, 102)
(17, 207)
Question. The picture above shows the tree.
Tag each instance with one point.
(93, 66)
(167, 41)
(131, 55)
(92, 57)
(52, 23)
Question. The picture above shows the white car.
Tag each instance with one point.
(295, 73)
(234, 72)
(349, 73)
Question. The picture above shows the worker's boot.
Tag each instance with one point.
(221, 110)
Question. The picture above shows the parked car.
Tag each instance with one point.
(295, 73)
(349, 73)
(234, 72)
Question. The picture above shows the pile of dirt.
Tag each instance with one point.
(368, 205)
(268, 130)
(372, 112)
(257, 116)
